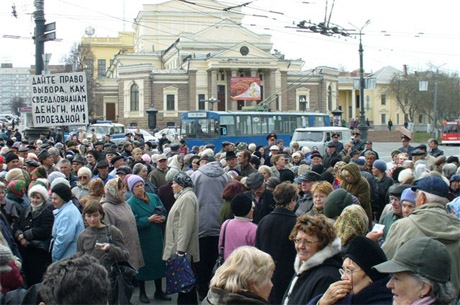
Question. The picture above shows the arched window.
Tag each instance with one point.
(134, 97)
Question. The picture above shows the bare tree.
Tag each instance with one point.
(81, 58)
(412, 101)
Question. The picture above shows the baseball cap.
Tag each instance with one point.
(420, 255)
(432, 185)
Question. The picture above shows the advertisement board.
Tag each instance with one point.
(245, 88)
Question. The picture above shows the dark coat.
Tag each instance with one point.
(314, 276)
(36, 227)
(375, 294)
(272, 237)
(264, 207)
(166, 195)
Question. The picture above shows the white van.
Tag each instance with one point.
(316, 138)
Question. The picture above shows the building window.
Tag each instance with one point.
(89, 67)
(303, 103)
(383, 118)
(383, 99)
(420, 118)
(170, 101)
(201, 102)
(134, 97)
(101, 67)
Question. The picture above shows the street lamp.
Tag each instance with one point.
(362, 118)
(212, 101)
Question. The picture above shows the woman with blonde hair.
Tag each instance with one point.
(320, 191)
(244, 278)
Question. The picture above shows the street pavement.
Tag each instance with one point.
(385, 148)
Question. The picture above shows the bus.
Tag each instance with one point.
(450, 132)
(214, 127)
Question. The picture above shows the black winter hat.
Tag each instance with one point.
(10, 156)
(62, 191)
(366, 254)
(241, 205)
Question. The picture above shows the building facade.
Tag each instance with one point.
(14, 84)
(187, 65)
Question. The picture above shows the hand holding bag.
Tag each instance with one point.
(179, 274)
(121, 279)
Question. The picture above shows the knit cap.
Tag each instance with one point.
(10, 156)
(132, 180)
(408, 195)
(241, 205)
(336, 201)
(5, 257)
(380, 165)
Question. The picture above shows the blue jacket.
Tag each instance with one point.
(68, 224)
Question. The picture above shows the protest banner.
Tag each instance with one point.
(59, 99)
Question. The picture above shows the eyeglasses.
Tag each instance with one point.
(346, 272)
(83, 177)
(307, 243)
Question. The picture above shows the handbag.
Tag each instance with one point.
(220, 259)
(179, 274)
(121, 279)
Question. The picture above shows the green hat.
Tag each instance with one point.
(421, 255)
(336, 202)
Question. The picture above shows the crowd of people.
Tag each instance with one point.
(297, 226)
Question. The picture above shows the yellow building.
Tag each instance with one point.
(100, 54)
(380, 105)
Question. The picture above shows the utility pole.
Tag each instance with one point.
(362, 118)
(435, 116)
(39, 15)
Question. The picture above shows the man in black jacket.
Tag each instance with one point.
(262, 198)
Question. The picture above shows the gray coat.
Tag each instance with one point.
(182, 226)
(121, 216)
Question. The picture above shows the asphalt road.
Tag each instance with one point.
(384, 149)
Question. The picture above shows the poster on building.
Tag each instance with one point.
(245, 88)
(59, 99)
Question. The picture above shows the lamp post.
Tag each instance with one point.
(212, 101)
(362, 118)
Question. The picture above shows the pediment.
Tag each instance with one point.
(235, 52)
(228, 31)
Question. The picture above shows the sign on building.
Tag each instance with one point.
(245, 88)
(59, 99)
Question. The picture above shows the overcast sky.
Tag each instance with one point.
(424, 34)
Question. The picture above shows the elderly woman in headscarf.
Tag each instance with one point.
(182, 227)
(14, 201)
(119, 214)
(351, 222)
(149, 213)
(82, 188)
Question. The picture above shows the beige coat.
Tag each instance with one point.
(121, 216)
(182, 226)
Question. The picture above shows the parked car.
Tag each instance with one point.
(146, 135)
(318, 137)
(171, 133)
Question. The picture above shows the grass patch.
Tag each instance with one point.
(421, 137)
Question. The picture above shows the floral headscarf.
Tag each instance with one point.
(17, 187)
(39, 172)
(111, 191)
(352, 222)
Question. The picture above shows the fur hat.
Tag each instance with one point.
(366, 254)
(39, 189)
(63, 191)
(14, 174)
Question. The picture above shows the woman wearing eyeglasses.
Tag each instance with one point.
(318, 260)
(82, 188)
(360, 283)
